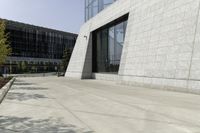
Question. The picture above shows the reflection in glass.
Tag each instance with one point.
(93, 7)
(109, 45)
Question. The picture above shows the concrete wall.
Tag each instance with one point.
(162, 43)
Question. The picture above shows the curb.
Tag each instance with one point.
(4, 90)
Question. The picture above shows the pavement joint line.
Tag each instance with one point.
(136, 107)
(165, 105)
(126, 117)
(108, 102)
(113, 100)
(66, 109)
(73, 114)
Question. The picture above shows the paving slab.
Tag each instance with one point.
(61, 105)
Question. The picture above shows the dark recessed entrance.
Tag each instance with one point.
(107, 46)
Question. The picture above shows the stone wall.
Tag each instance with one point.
(162, 43)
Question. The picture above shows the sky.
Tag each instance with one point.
(65, 15)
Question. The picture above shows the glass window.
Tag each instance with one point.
(112, 45)
(107, 3)
(108, 48)
(93, 7)
(119, 40)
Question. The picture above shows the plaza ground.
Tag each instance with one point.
(60, 105)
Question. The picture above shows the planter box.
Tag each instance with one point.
(4, 90)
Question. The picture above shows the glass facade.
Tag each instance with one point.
(92, 7)
(107, 47)
(37, 49)
(37, 42)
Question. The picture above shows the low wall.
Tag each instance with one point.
(5, 89)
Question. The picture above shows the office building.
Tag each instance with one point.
(36, 46)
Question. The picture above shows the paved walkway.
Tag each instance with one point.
(59, 105)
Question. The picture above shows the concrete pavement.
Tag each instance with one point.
(60, 105)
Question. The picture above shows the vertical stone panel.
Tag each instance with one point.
(78, 58)
(194, 77)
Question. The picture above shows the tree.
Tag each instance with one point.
(5, 49)
(19, 66)
(24, 66)
(66, 58)
(45, 67)
(33, 69)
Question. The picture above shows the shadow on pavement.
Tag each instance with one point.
(28, 125)
(24, 96)
(29, 88)
(21, 83)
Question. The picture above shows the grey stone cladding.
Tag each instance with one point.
(161, 47)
